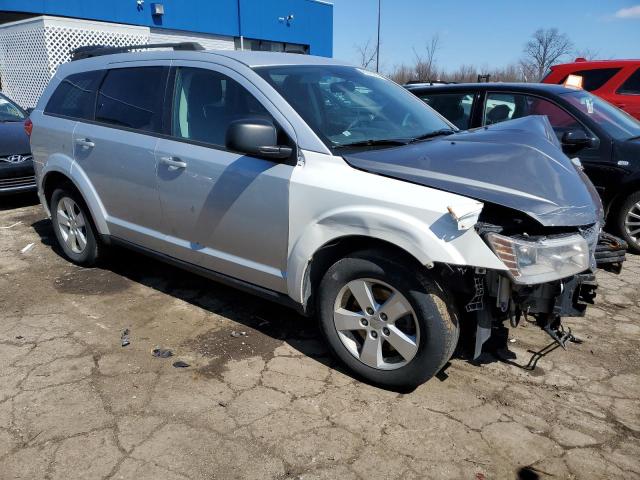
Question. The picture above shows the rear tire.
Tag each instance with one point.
(74, 228)
(628, 221)
(410, 325)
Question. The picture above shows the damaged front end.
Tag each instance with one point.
(539, 214)
(549, 275)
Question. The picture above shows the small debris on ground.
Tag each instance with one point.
(181, 364)
(238, 334)
(125, 337)
(512, 340)
(162, 352)
(19, 337)
(27, 248)
(11, 226)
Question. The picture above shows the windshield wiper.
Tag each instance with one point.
(435, 133)
(373, 143)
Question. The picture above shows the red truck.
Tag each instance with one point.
(617, 81)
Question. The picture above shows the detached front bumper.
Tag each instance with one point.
(610, 253)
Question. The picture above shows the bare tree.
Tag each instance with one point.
(402, 74)
(509, 73)
(425, 63)
(366, 54)
(544, 49)
(464, 74)
(587, 53)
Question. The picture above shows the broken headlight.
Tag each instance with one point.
(539, 261)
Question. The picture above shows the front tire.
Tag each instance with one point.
(628, 221)
(386, 321)
(74, 227)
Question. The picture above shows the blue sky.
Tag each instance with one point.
(484, 33)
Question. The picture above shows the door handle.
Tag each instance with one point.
(85, 143)
(173, 163)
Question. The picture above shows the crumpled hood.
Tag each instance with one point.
(516, 164)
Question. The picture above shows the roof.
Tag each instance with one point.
(499, 86)
(246, 57)
(585, 64)
(266, 59)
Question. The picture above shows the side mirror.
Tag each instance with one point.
(576, 139)
(256, 136)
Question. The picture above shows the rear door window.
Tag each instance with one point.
(75, 96)
(500, 107)
(632, 85)
(133, 98)
(455, 107)
(595, 78)
(560, 120)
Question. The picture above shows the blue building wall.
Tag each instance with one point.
(260, 19)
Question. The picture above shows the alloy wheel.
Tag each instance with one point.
(632, 222)
(376, 324)
(72, 224)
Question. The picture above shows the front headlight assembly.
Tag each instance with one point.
(540, 261)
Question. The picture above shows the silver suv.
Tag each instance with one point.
(325, 187)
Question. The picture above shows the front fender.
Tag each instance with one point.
(439, 242)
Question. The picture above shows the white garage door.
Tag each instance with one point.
(209, 42)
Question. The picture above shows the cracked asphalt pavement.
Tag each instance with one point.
(269, 403)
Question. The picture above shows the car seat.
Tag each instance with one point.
(498, 114)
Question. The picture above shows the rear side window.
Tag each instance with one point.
(594, 79)
(132, 98)
(75, 96)
(455, 107)
(632, 85)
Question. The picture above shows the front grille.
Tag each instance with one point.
(17, 182)
(25, 157)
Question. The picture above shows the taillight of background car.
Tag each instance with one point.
(28, 126)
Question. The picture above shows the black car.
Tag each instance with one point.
(16, 163)
(603, 137)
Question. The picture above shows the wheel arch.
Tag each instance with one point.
(337, 248)
(626, 189)
(76, 179)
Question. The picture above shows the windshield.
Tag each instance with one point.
(617, 123)
(348, 105)
(10, 112)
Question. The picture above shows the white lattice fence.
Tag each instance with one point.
(62, 40)
(32, 50)
(24, 64)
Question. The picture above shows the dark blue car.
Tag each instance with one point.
(16, 163)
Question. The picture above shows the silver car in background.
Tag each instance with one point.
(323, 186)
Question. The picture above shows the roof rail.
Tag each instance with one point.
(89, 51)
